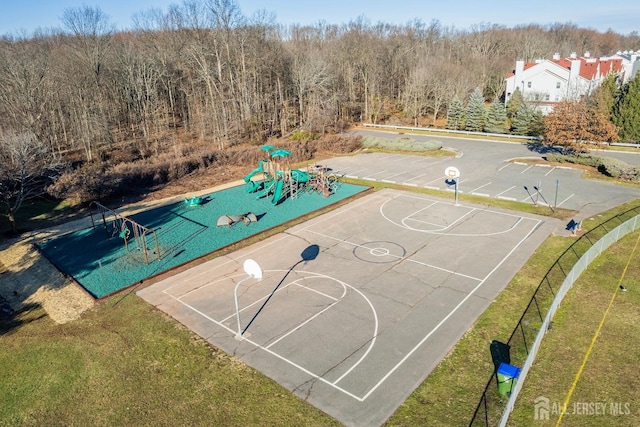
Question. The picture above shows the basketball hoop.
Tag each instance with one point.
(452, 173)
(451, 178)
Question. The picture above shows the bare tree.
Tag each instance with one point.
(26, 167)
(26, 86)
(88, 47)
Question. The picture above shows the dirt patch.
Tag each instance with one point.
(30, 279)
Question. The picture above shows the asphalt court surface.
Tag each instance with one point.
(357, 306)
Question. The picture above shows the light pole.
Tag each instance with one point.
(254, 271)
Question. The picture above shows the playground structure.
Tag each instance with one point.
(193, 201)
(276, 179)
(122, 226)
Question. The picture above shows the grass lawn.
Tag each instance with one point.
(125, 363)
(609, 376)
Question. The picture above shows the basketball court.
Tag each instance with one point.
(354, 308)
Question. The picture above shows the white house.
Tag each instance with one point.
(630, 63)
(547, 81)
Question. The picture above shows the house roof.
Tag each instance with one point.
(590, 68)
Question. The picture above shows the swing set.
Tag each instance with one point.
(123, 227)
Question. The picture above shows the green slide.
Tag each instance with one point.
(278, 192)
(253, 172)
(266, 191)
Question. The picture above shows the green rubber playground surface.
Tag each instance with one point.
(102, 264)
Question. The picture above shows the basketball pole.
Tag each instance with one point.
(456, 190)
(235, 294)
(452, 173)
(253, 270)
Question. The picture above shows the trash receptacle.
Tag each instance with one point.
(507, 378)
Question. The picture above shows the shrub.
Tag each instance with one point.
(612, 167)
(302, 135)
(631, 174)
(403, 143)
(606, 165)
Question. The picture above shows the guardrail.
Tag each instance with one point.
(624, 144)
(493, 409)
(491, 135)
(453, 132)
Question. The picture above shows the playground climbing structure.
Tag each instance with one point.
(122, 226)
(278, 180)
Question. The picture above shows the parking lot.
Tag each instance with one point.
(490, 169)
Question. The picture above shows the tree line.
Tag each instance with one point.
(205, 68)
(202, 72)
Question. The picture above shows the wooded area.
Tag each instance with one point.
(205, 68)
(204, 73)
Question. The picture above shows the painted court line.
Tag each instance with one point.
(451, 313)
(297, 328)
(517, 217)
(313, 223)
(279, 356)
(399, 258)
(185, 277)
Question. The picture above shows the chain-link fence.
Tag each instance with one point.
(492, 404)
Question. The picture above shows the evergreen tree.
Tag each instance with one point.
(522, 119)
(514, 103)
(476, 112)
(536, 125)
(496, 118)
(605, 95)
(455, 115)
(627, 111)
(600, 105)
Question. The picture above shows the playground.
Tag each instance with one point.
(353, 309)
(119, 251)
